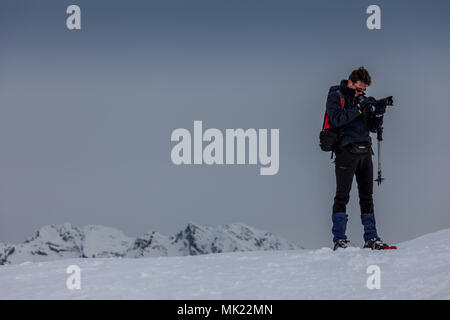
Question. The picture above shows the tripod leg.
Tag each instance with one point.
(379, 138)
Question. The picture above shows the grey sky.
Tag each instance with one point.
(86, 116)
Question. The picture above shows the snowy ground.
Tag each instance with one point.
(419, 269)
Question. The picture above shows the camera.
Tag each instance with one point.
(371, 105)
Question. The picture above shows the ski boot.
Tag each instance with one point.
(340, 243)
(377, 244)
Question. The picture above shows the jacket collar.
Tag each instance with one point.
(346, 91)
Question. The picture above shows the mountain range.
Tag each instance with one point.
(62, 241)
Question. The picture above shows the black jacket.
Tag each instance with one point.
(355, 124)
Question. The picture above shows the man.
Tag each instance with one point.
(354, 156)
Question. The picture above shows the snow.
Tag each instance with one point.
(419, 269)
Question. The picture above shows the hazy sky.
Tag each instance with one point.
(86, 116)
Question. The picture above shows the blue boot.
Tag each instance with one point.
(339, 225)
(370, 230)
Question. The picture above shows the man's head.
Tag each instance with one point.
(359, 80)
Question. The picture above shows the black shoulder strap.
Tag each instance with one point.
(336, 89)
(341, 95)
(341, 130)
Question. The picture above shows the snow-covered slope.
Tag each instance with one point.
(419, 269)
(66, 241)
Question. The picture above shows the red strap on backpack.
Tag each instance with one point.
(326, 122)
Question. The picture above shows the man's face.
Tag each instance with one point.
(359, 86)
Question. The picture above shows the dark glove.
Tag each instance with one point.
(366, 105)
(359, 105)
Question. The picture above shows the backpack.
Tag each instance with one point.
(329, 135)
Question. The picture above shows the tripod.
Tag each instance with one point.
(379, 138)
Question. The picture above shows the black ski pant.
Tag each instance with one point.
(348, 165)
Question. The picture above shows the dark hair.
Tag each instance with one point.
(360, 74)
